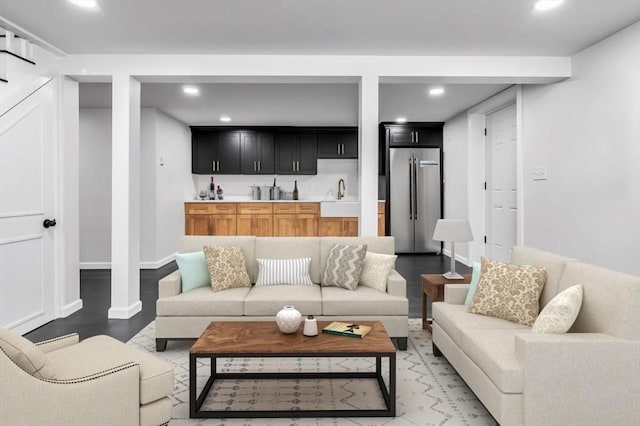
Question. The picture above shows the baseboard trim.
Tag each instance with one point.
(70, 308)
(125, 312)
(143, 265)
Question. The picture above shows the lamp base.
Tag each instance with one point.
(453, 276)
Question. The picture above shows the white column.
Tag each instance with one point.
(125, 196)
(368, 155)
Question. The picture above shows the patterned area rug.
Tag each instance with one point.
(428, 390)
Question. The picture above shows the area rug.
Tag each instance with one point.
(428, 390)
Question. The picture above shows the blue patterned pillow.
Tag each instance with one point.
(344, 266)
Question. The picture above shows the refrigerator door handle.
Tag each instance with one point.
(410, 191)
(415, 187)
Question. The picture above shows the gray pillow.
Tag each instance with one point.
(344, 266)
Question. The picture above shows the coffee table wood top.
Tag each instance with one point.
(264, 338)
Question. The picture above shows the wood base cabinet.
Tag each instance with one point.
(338, 226)
(255, 219)
(381, 219)
(295, 219)
(210, 219)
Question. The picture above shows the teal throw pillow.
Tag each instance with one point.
(475, 278)
(193, 270)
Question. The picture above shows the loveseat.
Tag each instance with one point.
(184, 315)
(588, 376)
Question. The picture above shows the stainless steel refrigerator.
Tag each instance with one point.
(414, 194)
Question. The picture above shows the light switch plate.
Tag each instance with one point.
(539, 173)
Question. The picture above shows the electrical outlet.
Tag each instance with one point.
(539, 173)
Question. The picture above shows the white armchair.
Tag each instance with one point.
(99, 381)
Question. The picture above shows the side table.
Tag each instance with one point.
(433, 287)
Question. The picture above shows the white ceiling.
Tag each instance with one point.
(295, 104)
(342, 27)
(310, 27)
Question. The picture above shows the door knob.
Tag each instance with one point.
(47, 223)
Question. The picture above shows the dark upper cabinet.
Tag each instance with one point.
(257, 153)
(338, 144)
(215, 151)
(415, 134)
(296, 153)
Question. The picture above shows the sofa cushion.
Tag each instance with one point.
(493, 350)
(268, 300)
(454, 319)
(289, 247)
(508, 291)
(375, 270)
(193, 270)
(227, 268)
(362, 301)
(553, 263)
(204, 302)
(560, 314)
(344, 266)
(284, 271)
(26, 355)
(99, 353)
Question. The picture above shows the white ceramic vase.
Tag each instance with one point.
(288, 319)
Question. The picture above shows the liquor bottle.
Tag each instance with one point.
(219, 193)
(295, 189)
(212, 190)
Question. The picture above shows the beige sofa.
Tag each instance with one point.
(589, 376)
(186, 315)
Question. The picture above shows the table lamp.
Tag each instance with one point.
(453, 230)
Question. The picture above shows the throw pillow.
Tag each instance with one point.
(508, 291)
(193, 270)
(227, 268)
(475, 279)
(344, 266)
(561, 312)
(375, 270)
(284, 271)
(25, 354)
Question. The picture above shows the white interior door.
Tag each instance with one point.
(27, 286)
(502, 192)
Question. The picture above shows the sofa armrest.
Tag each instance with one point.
(58, 342)
(30, 400)
(579, 378)
(396, 284)
(455, 294)
(171, 285)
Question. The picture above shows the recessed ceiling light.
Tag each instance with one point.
(225, 118)
(87, 4)
(436, 91)
(401, 120)
(544, 5)
(190, 90)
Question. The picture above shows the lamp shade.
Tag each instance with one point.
(452, 230)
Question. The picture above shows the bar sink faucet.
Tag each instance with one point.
(341, 192)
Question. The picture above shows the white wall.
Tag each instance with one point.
(455, 152)
(586, 132)
(173, 185)
(95, 186)
(164, 186)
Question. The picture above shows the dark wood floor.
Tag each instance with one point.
(95, 292)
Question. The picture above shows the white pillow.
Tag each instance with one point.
(375, 270)
(284, 271)
(561, 312)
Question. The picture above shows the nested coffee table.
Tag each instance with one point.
(259, 339)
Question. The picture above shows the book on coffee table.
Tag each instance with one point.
(347, 329)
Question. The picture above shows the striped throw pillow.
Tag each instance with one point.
(284, 271)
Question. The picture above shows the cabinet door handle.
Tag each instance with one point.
(342, 149)
(254, 166)
(338, 146)
(213, 165)
(298, 169)
(293, 165)
(412, 137)
(259, 165)
(417, 137)
(217, 166)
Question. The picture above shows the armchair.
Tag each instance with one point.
(99, 381)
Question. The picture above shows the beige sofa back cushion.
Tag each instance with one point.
(384, 245)
(553, 263)
(25, 354)
(610, 300)
(290, 248)
(191, 243)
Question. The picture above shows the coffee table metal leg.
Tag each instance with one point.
(392, 384)
(192, 384)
